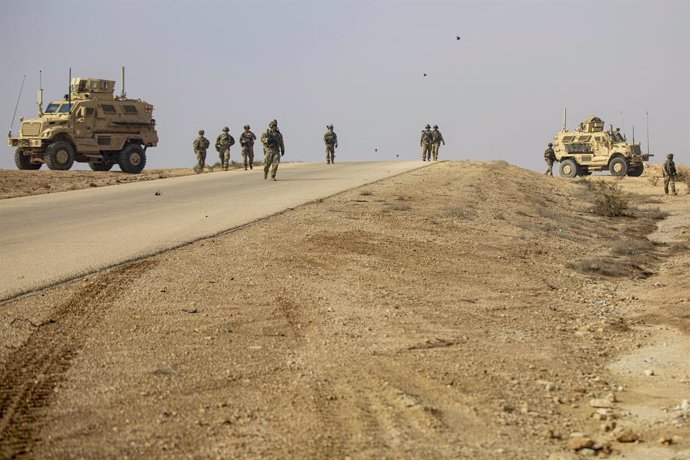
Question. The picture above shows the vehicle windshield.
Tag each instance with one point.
(65, 108)
(52, 107)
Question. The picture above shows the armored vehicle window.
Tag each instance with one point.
(89, 111)
(599, 139)
(52, 107)
(130, 109)
(584, 138)
(107, 108)
(568, 138)
(65, 108)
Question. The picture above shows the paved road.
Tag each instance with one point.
(47, 239)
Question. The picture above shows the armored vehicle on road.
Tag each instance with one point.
(589, 148)
(90, 125)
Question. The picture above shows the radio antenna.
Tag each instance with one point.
(17, 105)
(647, 116)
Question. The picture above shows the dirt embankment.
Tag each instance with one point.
(466, 310)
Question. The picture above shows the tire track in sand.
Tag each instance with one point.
(31, 373)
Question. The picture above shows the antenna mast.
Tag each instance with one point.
(647, 116)
(124, 95)
(17, 105)
(565, 119)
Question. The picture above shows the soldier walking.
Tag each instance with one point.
(669, 171)
(247, 142)
(331, 141)
(549, 158)
(425, 143)
(200, 145)
(223, 143)
(436, 138)
(274, 148)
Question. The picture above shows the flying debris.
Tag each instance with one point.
(425, 75)
(376, 150)
(457, 37)
(396, 155)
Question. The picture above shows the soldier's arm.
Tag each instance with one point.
(282, 145)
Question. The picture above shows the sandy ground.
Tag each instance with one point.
(465, 310)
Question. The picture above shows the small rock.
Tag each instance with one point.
(649, 372)
(157, 193)
(190, 310)
(580, 442)
(666, 440)
(627, 436)
(603, 403)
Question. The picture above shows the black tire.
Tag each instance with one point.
(636, 172)
(132, 159)
(568, 168)
(583, 171)
(618, 167)
(59, 156)
(23, 162)
(100, 166)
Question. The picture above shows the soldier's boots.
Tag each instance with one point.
(251, 166)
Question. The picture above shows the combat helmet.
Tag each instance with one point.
(669, 156)
(435, 126)
(427, 127)
(201, 131)
(273, 123)
(329, 126)
(550, 144)
(226, 129)
(246, 127)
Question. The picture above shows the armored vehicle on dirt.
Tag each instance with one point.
(91, 125)
(589, 148)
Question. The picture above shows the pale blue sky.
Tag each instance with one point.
(498, 93)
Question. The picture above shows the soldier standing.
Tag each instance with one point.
(331, 141)
(436, 138)
(200, 145)
(549, 158)
(669, 171)
(247, 142)
(425, 142)
(223, 143)
(274, 148)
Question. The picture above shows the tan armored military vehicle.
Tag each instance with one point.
(90, 125)
(589, 148)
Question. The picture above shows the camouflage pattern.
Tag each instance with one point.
(669, 172)
(331, 141)
(247, 142)
(200, 144)
(436, 139)
(549, 157)
(274, 148)
(223, 143)
(426, 142)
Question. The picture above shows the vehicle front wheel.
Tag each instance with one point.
(132, 159)
(568, 168)
(100, 166)
(24, 162)
(636, 172)
(59, 156)
(618, 166)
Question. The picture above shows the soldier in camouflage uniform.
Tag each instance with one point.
(247, 142)
(669, 171)
(223, 143)
(331, 141)
(425, 142)
(549, 158)
(200, 145)
(274, 148)
(436, 138)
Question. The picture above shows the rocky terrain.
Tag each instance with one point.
(464, 310)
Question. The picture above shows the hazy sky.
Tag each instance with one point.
(498, 93)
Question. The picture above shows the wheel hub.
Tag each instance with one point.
(135, 159)
(62, 156)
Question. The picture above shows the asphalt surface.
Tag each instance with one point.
(49, 239)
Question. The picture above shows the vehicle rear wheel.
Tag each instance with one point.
(636, 172)
(59, 156)
(24, 162)
(618, 166)
(568, 168)
(100, 166)
(132, 159)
